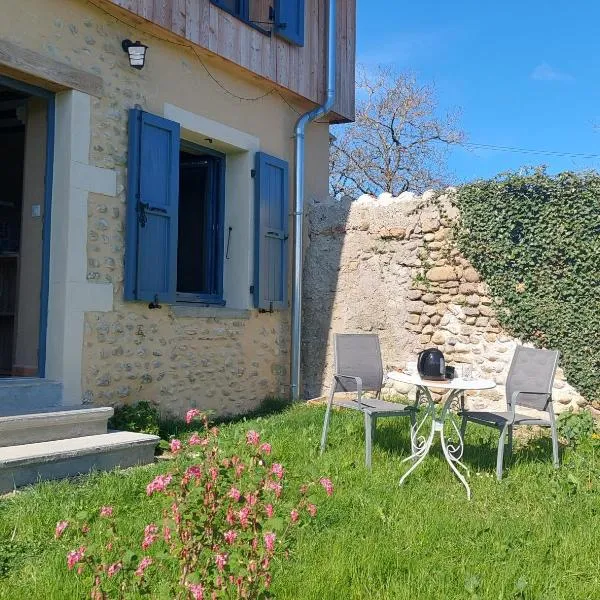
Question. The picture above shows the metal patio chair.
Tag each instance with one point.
(529, 384)
(359, 369)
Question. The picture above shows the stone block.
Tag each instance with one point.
(438, 338)
(414, 294)
(415, 307)
(473, 300)
(441, 274)
(471, 275)
(482, 322)
(429, 298)
(467, 288)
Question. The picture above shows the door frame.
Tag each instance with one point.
(47, 219)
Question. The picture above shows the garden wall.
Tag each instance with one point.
(389, 266)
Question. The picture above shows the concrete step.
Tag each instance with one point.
(45, 427)
(21, 395)
(24, 465)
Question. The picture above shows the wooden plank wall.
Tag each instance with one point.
(299, 69)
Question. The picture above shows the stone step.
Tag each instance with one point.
(30, 463)
(45, 427)
(21, 395)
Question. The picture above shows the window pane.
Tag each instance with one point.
(195, 226)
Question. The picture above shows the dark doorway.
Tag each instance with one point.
(23, 136)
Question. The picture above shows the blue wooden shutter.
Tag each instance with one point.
(152, 207)
(289, 20)
(271, 233)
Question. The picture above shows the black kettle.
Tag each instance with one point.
(431, 364)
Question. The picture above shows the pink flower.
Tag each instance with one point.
(60, 527)
(167, 533)
(275, 487)
(197, 590)
(193, 472)
(326, 483)
(230, 536)
(75, 556)
(269, 541)
(243, 516)
(158, 484)
(148, 541)
(269, 510)
(150, 535)
(85, 528)
(266, 448)
(230, 517)
(196, 440)
(277, 470)
(191, 414)
(251, 499)
(144, 564)
(252, 438)
(114, 569)
(221, 561)
(235, 494)
(294, 515)
(175, 446)
(106, 511)
(312, 510)
(214, 473)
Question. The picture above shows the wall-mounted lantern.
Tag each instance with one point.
(136, 52)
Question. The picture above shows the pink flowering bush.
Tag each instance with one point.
(220, 521)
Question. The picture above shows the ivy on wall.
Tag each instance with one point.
(535, 239)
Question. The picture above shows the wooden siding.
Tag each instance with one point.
(300, 69)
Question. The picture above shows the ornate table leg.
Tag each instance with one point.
(420, 444)
(453, 451)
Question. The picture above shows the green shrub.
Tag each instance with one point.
(535, 239)
(576, 427)
(141, 417)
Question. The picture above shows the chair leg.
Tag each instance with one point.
(373, 427)
(368, 439)
(327, 419)
(500, 457)
(510, 440)
(555, 459)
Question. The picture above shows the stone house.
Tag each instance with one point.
(137, 261)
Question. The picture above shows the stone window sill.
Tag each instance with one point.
(189, 311)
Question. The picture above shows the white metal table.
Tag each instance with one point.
(421, 440)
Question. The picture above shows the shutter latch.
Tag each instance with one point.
(141, 210)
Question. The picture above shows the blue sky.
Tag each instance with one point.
(524, 73)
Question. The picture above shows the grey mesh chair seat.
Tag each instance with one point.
(501, 418)
(358, 369)
(375, 406)
(529, 384)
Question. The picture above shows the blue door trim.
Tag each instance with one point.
(46, 227)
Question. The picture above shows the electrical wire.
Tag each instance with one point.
(515, 150)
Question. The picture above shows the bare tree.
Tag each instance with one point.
(398, 141)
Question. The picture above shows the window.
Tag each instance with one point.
(174, 246)
(238, 8)
(284, 17)
(200, 228)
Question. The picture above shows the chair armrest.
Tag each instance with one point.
(358, 382)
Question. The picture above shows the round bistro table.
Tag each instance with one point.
(421, 439)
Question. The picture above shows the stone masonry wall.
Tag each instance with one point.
(176, 359)
(389, 266)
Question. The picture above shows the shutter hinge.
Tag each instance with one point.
(253, 173)
(252, 289)
(154, 303)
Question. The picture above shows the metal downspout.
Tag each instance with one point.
(300, 130)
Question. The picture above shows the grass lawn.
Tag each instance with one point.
(534, 535)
